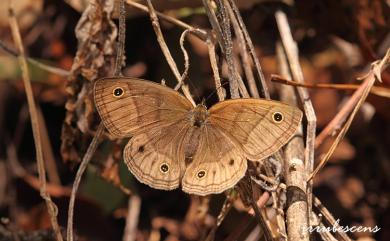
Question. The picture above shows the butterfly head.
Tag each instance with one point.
(199, 115)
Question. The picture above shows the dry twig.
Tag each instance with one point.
(297, 166)
(360, 96)
(51, 207)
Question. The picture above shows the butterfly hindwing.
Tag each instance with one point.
(156, 157)
(217, 165)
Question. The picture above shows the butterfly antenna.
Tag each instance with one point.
(215, 91)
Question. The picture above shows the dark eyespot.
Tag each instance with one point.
(277, 117)
(164, 168)
(141, 149)
(231, 162)
(118, 92)
(201, 174)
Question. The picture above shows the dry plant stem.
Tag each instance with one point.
(186, 59)
(376, 90)
(261, 220)
(295, 175)
(202, 34)
(339, 119)
(249, 44)
(227, 43)
(50, 161)
(329, 218)
(166, 52)
(292, 55)
(134, 208)
(214, 67)
(360, 94)
(120, 59)
(48, 68)
(246, 62)
(51, 207)
(221, 28)
(226, 207)
(84, 163)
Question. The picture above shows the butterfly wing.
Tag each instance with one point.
(217, 165)
(156, 118)
(261, 126)
(129, 106)
(156, 157)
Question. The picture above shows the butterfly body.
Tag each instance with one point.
(176, 144)
(198, 115)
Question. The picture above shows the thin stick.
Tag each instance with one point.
(295, 175)
(186, 59)
(134, 208)
(263, 85)
(376, 90)
(291, 51)
(200, 33)
(120, 58)
(221, 28)
(329, 217)
(214, 66)
(361, 94)
(226, 207)
(261, 220)
(52, 208)
(166, 52)
(246, 62)
(76, 183)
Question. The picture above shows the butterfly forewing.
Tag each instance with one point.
(129, 106)
(217, 165)
(261, 127)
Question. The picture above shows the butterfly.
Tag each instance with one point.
(174, 144)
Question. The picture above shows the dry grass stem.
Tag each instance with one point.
(200, 33)
(51, 207)
(120, 57)
(376, 90)
(360, 94)
(249, 44)
(214, 66)
(76, 183)
(166, 52)
(329, 218)
(133, 211)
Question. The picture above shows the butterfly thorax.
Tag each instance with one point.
(199, 115)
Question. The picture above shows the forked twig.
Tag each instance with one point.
(52, 208)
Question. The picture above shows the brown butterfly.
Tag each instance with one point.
(172, 142)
